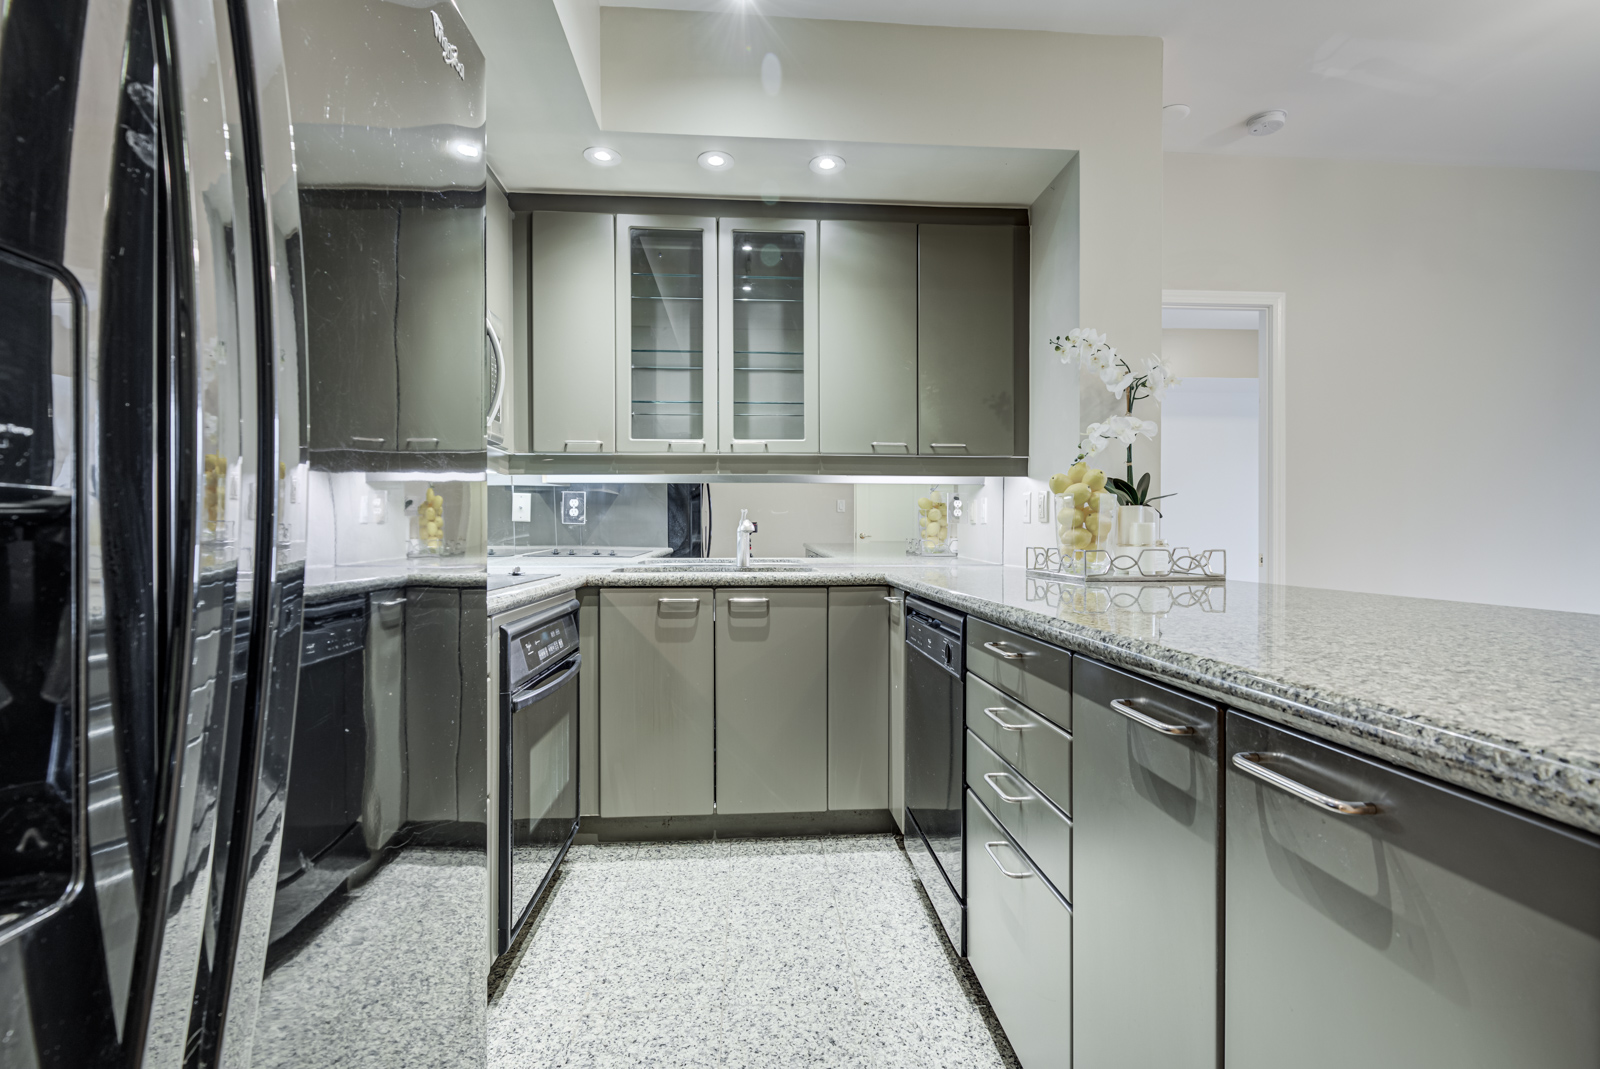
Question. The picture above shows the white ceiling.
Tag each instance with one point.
(1490, 82)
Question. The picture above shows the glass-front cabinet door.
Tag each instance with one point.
(666, 330)
(768, 335)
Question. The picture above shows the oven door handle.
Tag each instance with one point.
(520, 702)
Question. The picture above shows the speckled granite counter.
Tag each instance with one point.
(1502, 701)
(327, 582)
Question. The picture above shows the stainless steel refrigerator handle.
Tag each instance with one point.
(993, 709)
(990, 777)
(988, 848)
(1250, 763)
(500, 375)
(545, 689)
(1144, 719)
(999, 650)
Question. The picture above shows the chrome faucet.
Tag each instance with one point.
(747, 527)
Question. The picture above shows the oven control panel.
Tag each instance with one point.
(533, 649)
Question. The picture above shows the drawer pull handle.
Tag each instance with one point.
(990, 777)
(360, 438)
(677, 601)
(994, 709)
(989, 849)
(747, 601)
(947, 445)
(567, 444)
(1251, 764)
(1001, 649)
(897, 445)
(1139, 716)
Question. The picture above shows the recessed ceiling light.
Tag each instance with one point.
(467, 150)
(1175, 113)
(827, 164)
(716, 161)
(602, 157)
(1266, 122)
(746, 248)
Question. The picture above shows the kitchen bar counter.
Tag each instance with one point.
(1501, 701)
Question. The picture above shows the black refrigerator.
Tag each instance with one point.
(152, 473)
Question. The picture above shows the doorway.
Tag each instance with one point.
(1221, 430)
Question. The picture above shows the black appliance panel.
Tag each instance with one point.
(935, 713)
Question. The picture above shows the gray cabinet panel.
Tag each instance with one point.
(573, 299)
(868, 332)
(966, 340)
(472, 761)
(1035, 673)
(897, 707)
(1027, 741)
(1441, 931)
(772, 700)
(858, 698)
(350, 264)
(1145, 872)
(439, 328)
(589, 703)
(1042, 831)
(1019, 941)
(657, 724)
(433, 703)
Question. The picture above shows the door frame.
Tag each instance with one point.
(1271, 369)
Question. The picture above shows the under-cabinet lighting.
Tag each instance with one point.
(467, 150)
(602, 157)
(827, 164)
(715, 161)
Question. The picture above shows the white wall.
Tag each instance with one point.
(1211, 461)
(1443, 365)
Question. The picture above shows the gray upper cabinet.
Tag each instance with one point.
(767, 335)
(867, 279)
(858, 697)
(772, 700)
(1378, 918)
(440, 345)
(573, 311)
(657, 721)
(967, 344)
(1145, 876)
(350, 269)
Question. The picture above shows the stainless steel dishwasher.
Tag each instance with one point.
(935, 704)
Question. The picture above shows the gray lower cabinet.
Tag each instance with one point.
(867, 281)
(967, 344)
(1378, 918)
(1019, 943)
(657, 721)
(572, 298)
(1146, 836)
(772, 700)
(858, 697)
(897, 706)
(589, 676)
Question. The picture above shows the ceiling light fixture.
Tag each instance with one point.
(1173, 114)
(1267, 122)
(602, 157)
(827, 164)
(467, 150)
(716, 161)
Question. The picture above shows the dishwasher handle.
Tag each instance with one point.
(551, 684)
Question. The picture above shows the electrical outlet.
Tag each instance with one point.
(574, 506)
(521, 508)
(380, 506)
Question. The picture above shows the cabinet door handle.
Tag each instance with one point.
(566, 446)
(389, 604)
(1001, 649)
(677, 601)
(898, 445)
(359, 438)
(747, 601)
(947, 445)
(1251, 764)
(895, 601)
(1138, 716)
(435, 441)
(990, 777)
(992, 711)
(989, 849)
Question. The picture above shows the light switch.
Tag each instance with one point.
(1027, 508)
(521, 508)
(840, 504)
(1044, 507)
(380, 506)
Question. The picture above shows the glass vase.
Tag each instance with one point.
(1086, 522)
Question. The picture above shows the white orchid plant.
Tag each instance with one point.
(1091, 351)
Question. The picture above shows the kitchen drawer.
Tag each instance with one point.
(1019, 941)
(1030, 743)
(1035, 673)
(1140, 700)
(1038, 827)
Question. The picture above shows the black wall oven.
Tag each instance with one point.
(538, 815)
(935, 711)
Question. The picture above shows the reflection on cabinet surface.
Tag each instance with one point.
(772, 700)
(1437, 929)
(657, 725)
(666, 313)
(967, 366)
(867, 331)
(572, 283)
(767, 332)
(439, 325)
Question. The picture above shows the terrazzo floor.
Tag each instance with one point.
(776, 953)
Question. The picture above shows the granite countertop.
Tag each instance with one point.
(325, 582)
(1501, 701)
